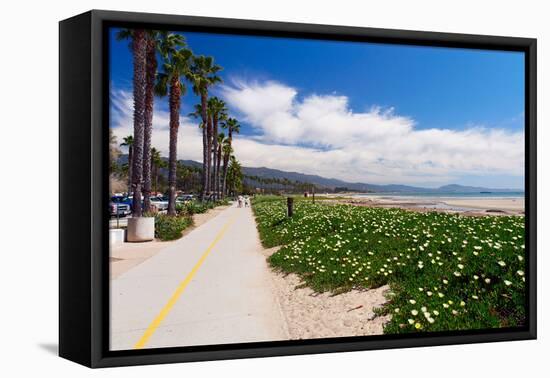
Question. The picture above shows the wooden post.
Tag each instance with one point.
(290, 206)
(313, 192)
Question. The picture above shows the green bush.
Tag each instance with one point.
(197, 207)
(169, 227)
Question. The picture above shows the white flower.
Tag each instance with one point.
(475, 297)
(436, 312)
(411, 321)
(396, 310)
(460, 266)
(501, 263)
(476, 277)
(445, 282)
(454, 312)
(487, 280)
(477, 248)
(431, 320)
(423, 309)
(445, 305)
(507, 283)
(462, 303)
(414, 312)
(520, 272)
(412, 301)
(441, 295)
(429, 293)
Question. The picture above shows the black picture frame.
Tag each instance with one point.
(83, 156)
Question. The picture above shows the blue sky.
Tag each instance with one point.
(447, 93)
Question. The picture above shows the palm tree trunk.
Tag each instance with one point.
(209, 156)
(204, 146)
(218, 162)
(156, 176)
(214, 155)
(175, 96)
(139, 50)
(130, 162)
(225, 164)
(151, 69)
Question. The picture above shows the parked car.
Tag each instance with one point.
(123, 200)
(159, 202)
(119, 209)
(185, 198)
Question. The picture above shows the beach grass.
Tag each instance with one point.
(445, 271)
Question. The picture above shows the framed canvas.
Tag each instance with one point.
(235, 188)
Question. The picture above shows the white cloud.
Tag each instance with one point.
(189, 135)
(371, 146)
(320, 134)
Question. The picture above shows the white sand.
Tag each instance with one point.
(310, 315)
(512, 204)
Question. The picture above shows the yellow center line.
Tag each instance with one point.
(181, 287)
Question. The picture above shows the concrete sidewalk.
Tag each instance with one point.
(210, 287)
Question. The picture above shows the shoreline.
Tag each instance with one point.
(473, 206)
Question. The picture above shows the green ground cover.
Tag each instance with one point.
(445, 271)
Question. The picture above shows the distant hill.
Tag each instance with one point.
(278, 179)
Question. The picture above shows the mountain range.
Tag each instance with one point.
(257, 177)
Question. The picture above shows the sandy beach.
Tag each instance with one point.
(310, 315)
(474, 206)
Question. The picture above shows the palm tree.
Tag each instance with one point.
(232, 126)
(222, 140)
(235, 175)
(151, 73)
(175, 67)
(156, 164)
(203, 74)
(218, 112)
(227, 150)
(139, 51)
(129, 142)
(114, 152)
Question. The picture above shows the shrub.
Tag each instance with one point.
(169, 227)
(196, 207)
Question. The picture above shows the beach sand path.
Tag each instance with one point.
(213, 286)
